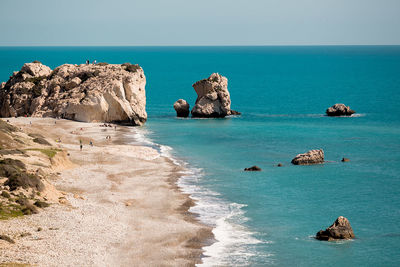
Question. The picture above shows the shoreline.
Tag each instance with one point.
(123, 205)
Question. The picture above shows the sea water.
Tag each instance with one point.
(270, 217)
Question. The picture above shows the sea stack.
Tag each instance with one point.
(339, 110)
(340, 229)
(315, 156)
(213, 98)
(182, 108)
(87, 92)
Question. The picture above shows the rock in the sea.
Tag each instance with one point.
(213, 98)
(234, 112)
(182, 108)
(345, 160)
(311, 157)
(88, 93)
(340, 229)
(339, 110)
(279, 165)
(253, 169)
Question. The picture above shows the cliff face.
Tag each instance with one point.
(89, 93)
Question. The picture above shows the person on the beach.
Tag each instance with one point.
(94, 62)
(81, 145)
(91, 143)
(87, 61)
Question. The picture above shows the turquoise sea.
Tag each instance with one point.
(269, 218)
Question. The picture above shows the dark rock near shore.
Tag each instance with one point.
(253, 169)
(311, 157)
(339, 110)
(182, 108)
(340, 229)
(279, 165)
(345, 160)
(234, 112)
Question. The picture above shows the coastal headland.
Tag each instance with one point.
(114, 204)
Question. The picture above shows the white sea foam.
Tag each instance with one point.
(233, 239)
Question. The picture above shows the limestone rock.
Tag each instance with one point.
(213, 98)
(311, 157)
(339, 110)
(182, 108)
(88, 93)
(253, 168)
(345, 160)
(340, 229)
(36, 69)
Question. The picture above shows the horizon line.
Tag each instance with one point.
(278, 45)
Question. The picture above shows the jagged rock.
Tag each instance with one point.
(340, 229)
(311, 157)
(36, 69)
(339, 110)
(213, 99)
(182, 108)
(89, 93)
(253, 168)
(234, 112)
(345, 160)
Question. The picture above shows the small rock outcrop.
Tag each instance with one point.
(88, 93)
(340, 229)
(182, 108)
(253, 169)
(213, 98)
(345, 160)
(311, 157)
(339, 110)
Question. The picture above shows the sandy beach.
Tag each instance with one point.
(121, 205)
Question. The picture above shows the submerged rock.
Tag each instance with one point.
(88, 93)
(253, 168)
(311, 157)
(213, 98)
(340, 229)
(182, 108)
(339, 110)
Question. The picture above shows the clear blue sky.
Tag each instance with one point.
(199, 22)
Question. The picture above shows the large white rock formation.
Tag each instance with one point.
(213, 99)
(89, 93)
